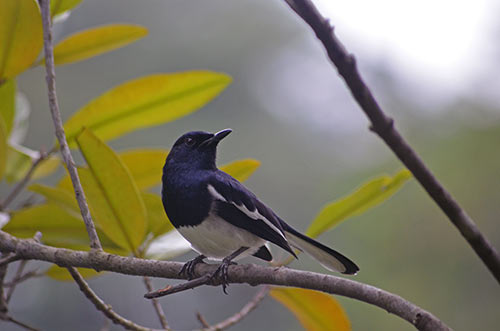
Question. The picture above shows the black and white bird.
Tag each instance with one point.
(221, 218)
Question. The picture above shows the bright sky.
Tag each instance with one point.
(440, 40)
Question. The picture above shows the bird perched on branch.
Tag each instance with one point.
(221, 218)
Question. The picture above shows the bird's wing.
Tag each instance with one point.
(240, 207)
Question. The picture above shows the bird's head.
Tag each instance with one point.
(197, 149)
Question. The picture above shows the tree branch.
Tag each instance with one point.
(101, 305)
(383, 125)
(156, 305)
(251, 305)
(22, 183)
(247, 273)
(56, 118)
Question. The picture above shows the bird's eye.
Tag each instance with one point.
(189, 141)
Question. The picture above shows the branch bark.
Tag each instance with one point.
(383, 126)
(101, 305)
(56, 118)
(249, 273)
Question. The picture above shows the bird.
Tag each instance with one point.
(221, 218)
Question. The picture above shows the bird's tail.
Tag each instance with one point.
(327, 257)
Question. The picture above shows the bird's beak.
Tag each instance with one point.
(218, 136)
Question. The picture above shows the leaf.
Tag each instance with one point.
(59, 228)
(241, 169)
(62, 274)
(145, 165)
(8, 103)
(367, 196)
(20, 36)
(315, 310)
(112, 195)
(61, 197)
(3, 147)
(60, 6)
(19, 160)
(146, 101)
(168, 246)
(88, 43)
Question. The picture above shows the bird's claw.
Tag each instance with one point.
(188, 267)
(221, 273)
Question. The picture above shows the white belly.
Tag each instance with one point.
(216, 238)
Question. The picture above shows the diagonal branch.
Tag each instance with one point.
(383, 125)
(251, 305)
(156, 305)
(56, 118)
(101, 305)
(248, 273)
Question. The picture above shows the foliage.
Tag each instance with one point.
(128, 217)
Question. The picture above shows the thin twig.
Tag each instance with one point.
(246, 273)
(251, 305)
(383, 125)
(22, 183)
(156, 305)
(9, 259)
(56, 117)
(15, 280)
(21, 324)
(3, 302)
(203, 280)
(202, 320)
(101, 305)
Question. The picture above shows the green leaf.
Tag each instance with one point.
(20, 36)
(88, 43)
(146, 101)
(241, 169)
(113, 197)
(158, 221)
(3, 147)
(20, 159)
(8, 103)
(62, 274)
(63, 198)
(60, 6)
(316, 311)
(367, 196)
(145, 165)
(59, 228)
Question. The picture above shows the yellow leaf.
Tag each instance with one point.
(157, 218)
(88, 43)
(145, 165)
(20, 159)
(63, 198)
(62, 274)
(20, 36)
(316, 311)
(8, 103)
(113, 197)
(60, 6)
(146, 101)
(367, 196)
(59, 228)
(3, 147)
(241, 169)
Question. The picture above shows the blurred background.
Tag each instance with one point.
(434, 66)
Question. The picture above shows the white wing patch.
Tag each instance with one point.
(255, 215)
(215, 194)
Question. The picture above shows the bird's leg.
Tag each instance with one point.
(188, 267)
(222, 269)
